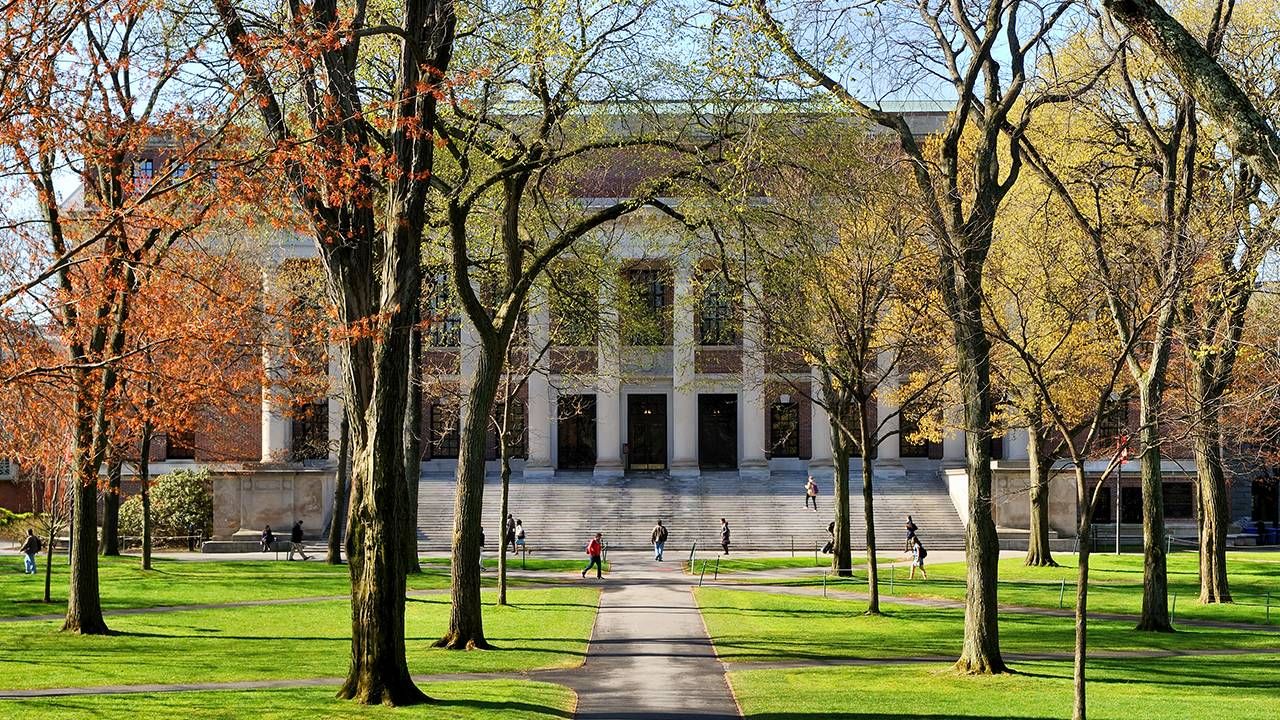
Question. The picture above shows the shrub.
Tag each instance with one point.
(180, 500)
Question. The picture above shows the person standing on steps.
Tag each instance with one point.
(295, 541)
(594, 549)
(911, 533)
(918, 554)
(509, 534)
(30, 547)
(659, 540)
(724, 535)
(520, 544)
(268, 540)
(811, 493)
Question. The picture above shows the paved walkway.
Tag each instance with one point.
(650, 656)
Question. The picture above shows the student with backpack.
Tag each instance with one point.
(595, 549)
(811, 493)
(918, 554)
(659, 540)
(30, 547)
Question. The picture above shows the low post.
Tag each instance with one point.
(1173, 609)
(716, 573)
(793, 546)
(1062, 590)
(893, 570)
(692, 550)
(704, 573)
(824, 583)
(524, 553)
(815, 555)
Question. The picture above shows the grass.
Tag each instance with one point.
(187, 582)
(545, 628)
(730, 566)
(530, 564)
(1115, 585)
(511, 699)
(749, 626)
(1204, 688)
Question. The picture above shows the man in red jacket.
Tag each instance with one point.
(594, 549)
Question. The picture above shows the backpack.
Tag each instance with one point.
(662, 534)
(923, 553)
(37, 546)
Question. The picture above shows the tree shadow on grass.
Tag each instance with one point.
(503, 708)
(882, 716)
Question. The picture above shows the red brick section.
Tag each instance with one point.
(712, 360)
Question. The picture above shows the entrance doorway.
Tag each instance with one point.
(576, 432)
(646, 432)
(718, 432)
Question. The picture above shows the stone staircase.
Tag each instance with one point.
(561, 513)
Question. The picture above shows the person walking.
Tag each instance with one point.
(520, 544)
(911, 533)
(295, 541)
(268, 539)
(509, 534)
(724, 535)
(811, 493)
(30, 546)
(594, 550)
(831, 541)
(659, 540)
(481, 553)
(918, 554)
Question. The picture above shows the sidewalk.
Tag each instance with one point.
(650, 657)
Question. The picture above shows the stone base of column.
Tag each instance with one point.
(685, 469)
(539, 471)
(607, 469)
(953, 463)
(753, 470)
(889, 468)
(821, 467)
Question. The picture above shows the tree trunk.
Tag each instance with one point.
(1155, 581)
(1213, 515)
(1038, 551)
(466, 624)
(502, 515)
(111, 506)
(868, 513)
(84, 604)
(1083, 499)
(341, 480)
(841, 552)
(981, 650)
(144, 476)
(413, 434)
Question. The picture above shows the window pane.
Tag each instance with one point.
(784, 429)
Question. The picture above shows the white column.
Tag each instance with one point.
(684, 395)
(754, 430)
(538, 415)
(277, 426)
(1015, 445)
(953, 442)
(335, 400)
(889, 453)
(820, 461)
(608, 388)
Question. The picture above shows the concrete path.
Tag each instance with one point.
(650, 657)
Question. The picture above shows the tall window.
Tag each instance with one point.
(647, 322)
(575, 309)
(784, 429)
(180, 445)
(718, 316)
(1179, 501)
(515, 430)
(444, 430)
(311, 431)
(1115, 422)
(144, 171)
(445, 320)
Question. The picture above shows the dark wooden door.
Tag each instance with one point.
(718, 431)
(646, 432)
(576, 432)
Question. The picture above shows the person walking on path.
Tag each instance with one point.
(295, 542)
(30, 547)
(659, 540)
(724, 535)
(911, 533)
(594, 549)
(268, 539)
(509, 535)
(831, 542)
(811, 493)
(918, 554)
(481, 550)
(520, 544)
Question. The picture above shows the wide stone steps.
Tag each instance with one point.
(561, 513)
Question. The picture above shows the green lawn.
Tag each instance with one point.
(1204, 688)
(513, 700)
(189, 582)
(728, 566)
(551, 565)
(749, 626)
(544, 628)
(1115, 585)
